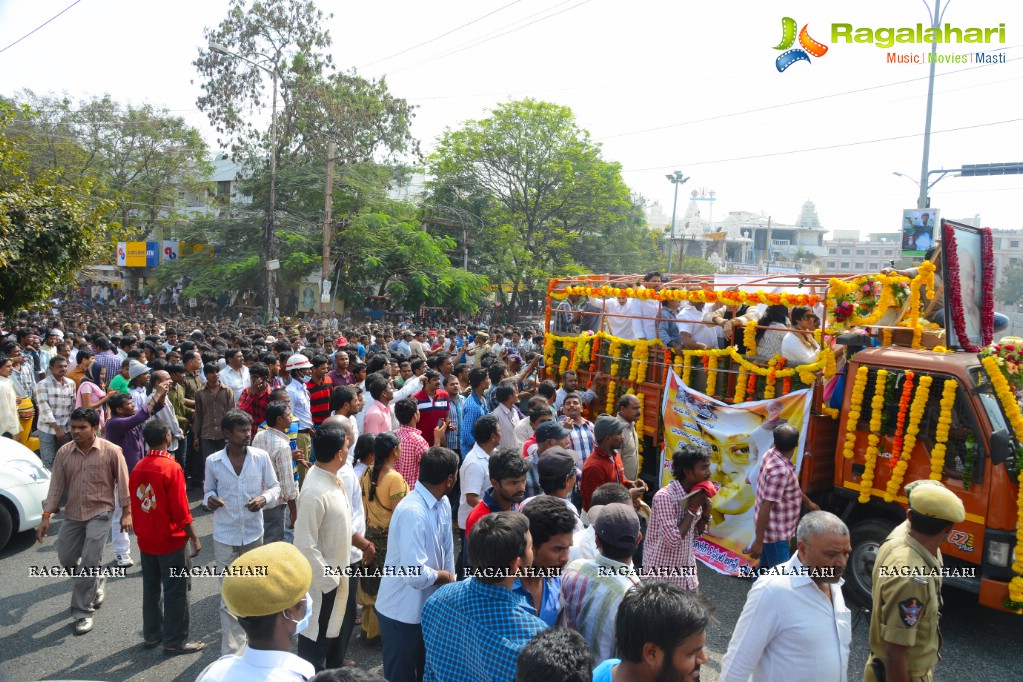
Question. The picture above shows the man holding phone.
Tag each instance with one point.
(240, 481)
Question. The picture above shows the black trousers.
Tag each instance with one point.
(165, 598)
(348, 624)
(197, 464)
(323, 653)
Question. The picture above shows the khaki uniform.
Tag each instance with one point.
(906, 605)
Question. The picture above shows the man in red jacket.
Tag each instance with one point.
(163, 528)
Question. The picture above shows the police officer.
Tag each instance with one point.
(904, 638)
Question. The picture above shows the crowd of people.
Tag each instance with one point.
(425, 487)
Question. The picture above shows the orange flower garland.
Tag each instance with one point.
(916, 413)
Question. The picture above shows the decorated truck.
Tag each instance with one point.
(890, 398)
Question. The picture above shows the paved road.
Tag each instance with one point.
(36, 642)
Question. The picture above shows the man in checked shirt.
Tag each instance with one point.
(777, 501)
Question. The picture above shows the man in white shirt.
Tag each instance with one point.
(272, 600)
(644, 325)
(323, 533)
(507, 412)
(420, 537)
(797, 607)
(474, 474)
(696, 335)
(235, 375)
(616, 315)
(275, 442)
(240, 481)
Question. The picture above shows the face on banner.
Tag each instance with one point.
(735, 435)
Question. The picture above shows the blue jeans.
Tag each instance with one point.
(48, 446)
(774, 554)
(403, 650)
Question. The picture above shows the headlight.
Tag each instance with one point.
(998, 553)
(31, 469)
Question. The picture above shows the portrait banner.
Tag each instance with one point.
(919, 231)
(732, 434)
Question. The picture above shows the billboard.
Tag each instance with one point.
(170, 252)
(919, 231)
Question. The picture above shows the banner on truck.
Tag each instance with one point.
(731, 433)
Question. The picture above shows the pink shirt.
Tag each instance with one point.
(378, 418)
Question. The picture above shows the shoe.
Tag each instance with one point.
(83, 625)
(124, 561)
(150, 645)
(101, 595)
(186, 648)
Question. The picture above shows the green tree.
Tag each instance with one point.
(317, 105)
(1010, 290)
(139, 157)
(548, 200)
(48, 228)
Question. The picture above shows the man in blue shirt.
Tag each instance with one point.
(667, 325)
(474, 407)
(474, 629)
(420, 556)
(551, 524)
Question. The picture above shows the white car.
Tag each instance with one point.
(24, 484)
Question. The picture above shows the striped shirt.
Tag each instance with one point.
(55, 400)
(88, 478)
(591, 590)
(319, 400)
(412, 446)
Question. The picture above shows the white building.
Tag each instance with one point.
(847, 254)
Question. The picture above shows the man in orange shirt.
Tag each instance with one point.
(163, 526)
(604, 465)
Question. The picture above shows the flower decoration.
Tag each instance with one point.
(855, 404)
(749, 337)
(874, 439)
(955, 300)
(916, 413)
(948, 398)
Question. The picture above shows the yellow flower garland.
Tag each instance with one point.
(740, 386)
(830, 412)
(693, 296)
(610, 397)
(712, 375)
(948, 399)
(886, 337)
(916, 413)
(1011, 408)
(874, 440)
(855, 404)
(687, 367)
(749, 337)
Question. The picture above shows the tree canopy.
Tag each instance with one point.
(49, 225)
(549, 202)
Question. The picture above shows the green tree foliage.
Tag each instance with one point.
(139, 157)
(317, 105)
(1010, 290)
(48, 226)
(549, 203)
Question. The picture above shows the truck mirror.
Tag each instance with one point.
(1001, 446)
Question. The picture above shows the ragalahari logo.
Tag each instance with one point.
(788, 37)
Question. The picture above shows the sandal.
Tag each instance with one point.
(187, 648)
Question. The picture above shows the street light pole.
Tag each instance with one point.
(922, 200)
(676, 179)
(269, 243)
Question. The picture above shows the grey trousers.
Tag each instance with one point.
(273, 524)
(232, 637)
(80, 544)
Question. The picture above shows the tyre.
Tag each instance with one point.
(6, 525)
(866, 537)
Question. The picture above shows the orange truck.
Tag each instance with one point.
(980, 447)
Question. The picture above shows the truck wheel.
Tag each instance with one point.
(866, 538)
(6, 525)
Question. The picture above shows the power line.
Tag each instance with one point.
(826, 147)
(788, 104)
(494, 37)
(446, 33)
(40, 25)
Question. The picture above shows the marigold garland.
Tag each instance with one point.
(874, 439)
(772, 377)
(1011, 409)
(751, 387)
(712, 374)
(611, 397)
(728, 297)
(832, 412)
(749, 337)
(886, 337)
(740, 386)
(948, 399)
(955, 294)
(855, 405)
(903, 413)
(687, 367)
(916, 413)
